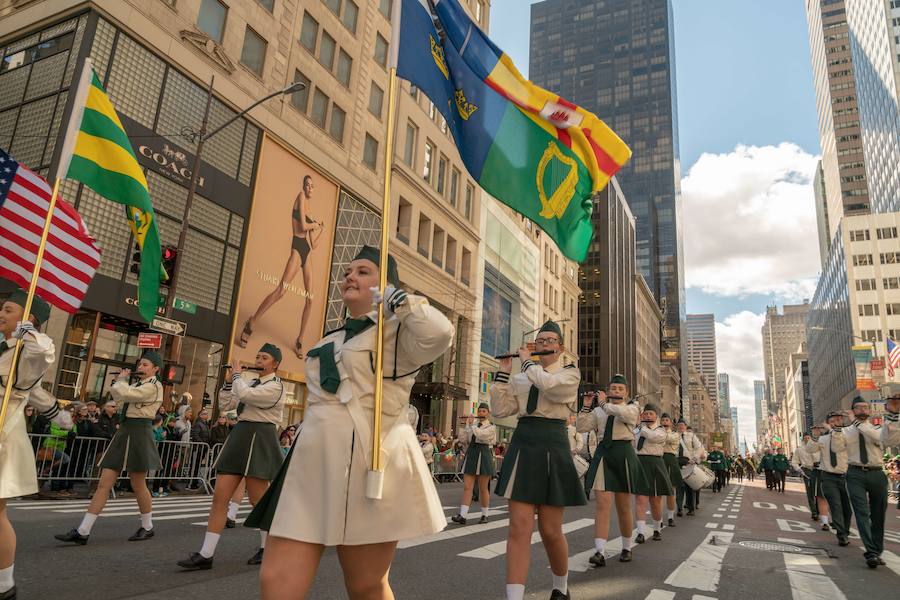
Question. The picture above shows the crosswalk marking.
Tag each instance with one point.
(453, 532)
(892, 561)
(499, 548)
(660, 595)
(701, 569)
(808, 580)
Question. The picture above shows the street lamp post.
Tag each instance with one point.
(850, 334)
(201, 137)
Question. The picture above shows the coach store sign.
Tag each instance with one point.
(173, 163)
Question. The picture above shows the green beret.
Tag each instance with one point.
(552, 328)
(834, 413)
(485, 406)
(618, 378)
(681, 421)
(39, 307)
(272, 350)
(154, 357)
(651, 407)
(663, 416)
(858, 400)
(374, 255)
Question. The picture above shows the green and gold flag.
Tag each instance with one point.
(97, 152)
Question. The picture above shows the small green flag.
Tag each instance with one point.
(97, 152)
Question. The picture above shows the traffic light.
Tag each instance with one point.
(172, 374)
(169, 256)
(136, 260)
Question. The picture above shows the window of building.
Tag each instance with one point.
(300, 99)
(404, 220)
(409, 151)
(376, 100)
(859, 235)
(465, 266)
(253, 54)
(441, 174)
(344, 68)
(327, 48)
(467, 207)
(496, 321)
(450, 263)
(864, 285)
(350, 16)
(894, 334)
(871, 335)
(890, 258)
(370, 152)
(887, 233)
(336, 127)
(319, 112)
(423, 241)
(454, 187)
(437, 247)
(891, 308)
(334, 6)
(384, 6)
(868, 310)
(427, 161)
(211, 19)
(381, 50)
(891, 283)
(309, 32)
(862, 260)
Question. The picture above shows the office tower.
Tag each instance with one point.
(701, 349)
(724, 394)
(759, 404)
(781, 333)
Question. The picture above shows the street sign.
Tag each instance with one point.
(169, 326)
(149, 340)
(184, 305)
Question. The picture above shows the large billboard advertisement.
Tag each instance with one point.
(862, 358)
(287, 260)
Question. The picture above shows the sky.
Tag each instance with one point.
(749, 144)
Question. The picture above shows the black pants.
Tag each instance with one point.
(779, 480)
(835, 489)
(770, 480)
(682, 494)
(867, 489)
(719, 481)
(810, 493)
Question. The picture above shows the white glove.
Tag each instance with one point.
(63, 420)
(23, 327)
(395, 297)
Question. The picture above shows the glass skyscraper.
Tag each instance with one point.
(616, 58)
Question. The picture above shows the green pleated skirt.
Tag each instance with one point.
(657, 474)
(616, 468)
(674, 470)
(538, 467)
(479, 460)
(251, 450)
(132, 448)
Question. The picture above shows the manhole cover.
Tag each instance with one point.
(770, 546)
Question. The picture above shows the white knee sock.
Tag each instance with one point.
(599, 544)
(823, 519)
(627, 543)
(147, 521)
(6, 578)
(561, 582)
(484, 510)
(515, 591)
(210, 540)
(232, 510)
(87, 523)
(463, 510)
(642, 527)
(262, 538)
(670, 514)
(658, 526)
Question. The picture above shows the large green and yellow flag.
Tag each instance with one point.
(97, 152)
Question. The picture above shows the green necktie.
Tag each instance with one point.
(641, 441)
(863, 452)
(681, 447)
(4, 346)
(240, 406)
(608, 431)
(831, 453)
(533, 394)
(329, 377)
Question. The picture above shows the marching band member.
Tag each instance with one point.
(538, 474)
(689, 453)
(700, 457)
(717, 464)
(833, 446)
(479, 464)
(319, 497)
(780, 467)
(890, 430)
(812, 450)
(18, 476)
(670, 451)
(615, 472)
(650, 440)
(251, 453)
(802, 460)
(131, 449)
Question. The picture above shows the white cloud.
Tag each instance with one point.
(739, 353)
(749, 223)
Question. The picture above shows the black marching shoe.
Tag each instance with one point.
(825, 527)
(671, 522)
(196, 562)
(880, 560)
(690, 513)
(142, 534)
(9, 594)
(458, 518)
(625, 556)
(679, 513)
(72, 536)
(657, 536)
(229, 523)
(482, 520)
(598, 560)
(640, 539)
(872, 563)
(558, 595)
(842, 541)
(257, 558)
(814, 518)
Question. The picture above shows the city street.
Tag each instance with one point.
(743, 543)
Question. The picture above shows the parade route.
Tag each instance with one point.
(744, 543)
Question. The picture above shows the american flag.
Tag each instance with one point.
(893, 351)
(71, 256)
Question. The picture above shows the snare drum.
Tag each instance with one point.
(697, 476)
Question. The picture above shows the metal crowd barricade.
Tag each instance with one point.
(211, 470)
(447, 470)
